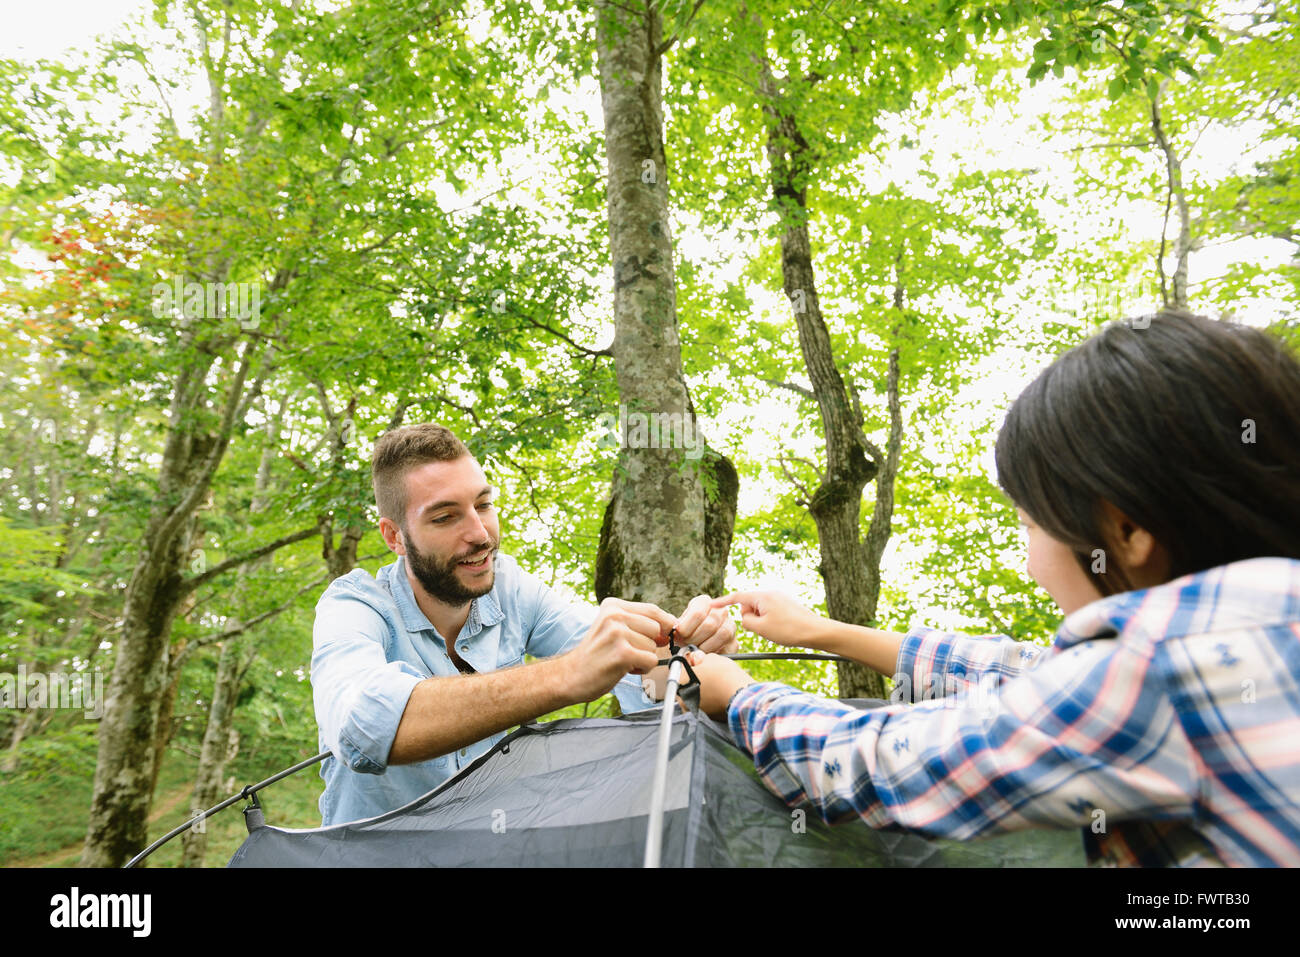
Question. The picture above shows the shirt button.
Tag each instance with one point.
(464, 751)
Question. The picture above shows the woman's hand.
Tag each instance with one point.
(708, 627)
(776, 617)
(720, 678)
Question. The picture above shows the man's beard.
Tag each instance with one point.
(439, 578)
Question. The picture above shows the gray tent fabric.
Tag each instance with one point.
(575, 793)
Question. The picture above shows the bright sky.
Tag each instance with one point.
(46, 29)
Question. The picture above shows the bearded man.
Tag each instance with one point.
(419, 670)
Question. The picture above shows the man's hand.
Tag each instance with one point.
(774, 616)
(708, 628)
(622, 639)
(720, 678)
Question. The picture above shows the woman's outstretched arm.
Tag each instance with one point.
(1078, 735)
(783, 620)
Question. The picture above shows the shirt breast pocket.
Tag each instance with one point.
(510, 651)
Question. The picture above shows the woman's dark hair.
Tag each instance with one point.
(1189, 426)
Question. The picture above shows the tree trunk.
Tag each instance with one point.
(124, 772)
(341, 558)
(215, 750)
(220, 740)
(882, 512)
(849, 567)
(26, 719)
(657, 542)
(719, 520)
(167, 709)
(1177, 196)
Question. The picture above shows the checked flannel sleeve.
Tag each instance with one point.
(1081, 731)
(934, 664)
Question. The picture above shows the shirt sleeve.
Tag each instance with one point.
(559, 625)
(1089, 735)
(359, 695)
(934, 664)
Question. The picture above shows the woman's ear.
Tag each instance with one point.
(1144, 560)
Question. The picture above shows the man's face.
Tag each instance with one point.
(450, 531)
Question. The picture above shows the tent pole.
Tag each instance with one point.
(248, 792)
(658, 792)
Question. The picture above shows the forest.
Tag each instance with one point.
(804, 255)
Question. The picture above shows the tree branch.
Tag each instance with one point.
(189, 584)
(790, 477)
(1138, 144)
(1173, 169)
(399, 414)
(796, 389)
(296, 461)
(668, 44)
(607, 351)
(257, 619)
(200, 482)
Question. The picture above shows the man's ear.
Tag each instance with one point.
(392, 536)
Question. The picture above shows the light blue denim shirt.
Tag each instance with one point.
(372, 645)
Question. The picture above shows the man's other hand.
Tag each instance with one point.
(622, 639)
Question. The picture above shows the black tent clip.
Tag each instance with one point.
(254, 817)
(688, 691)
(679, 654)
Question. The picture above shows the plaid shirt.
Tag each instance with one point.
(1165, 722)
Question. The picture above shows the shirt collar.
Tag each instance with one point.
(484, 611)
(1254, 592)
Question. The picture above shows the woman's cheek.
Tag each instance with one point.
(1045, 558)
(1054, 567)
(1035, 560)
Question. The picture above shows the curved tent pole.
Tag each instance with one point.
(248, 792)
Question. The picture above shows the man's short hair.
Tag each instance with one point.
(400, 450)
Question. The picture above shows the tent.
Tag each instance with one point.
(575, 793)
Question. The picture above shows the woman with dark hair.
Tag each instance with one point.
(1157, 469)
